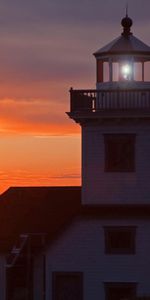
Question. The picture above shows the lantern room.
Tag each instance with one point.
(123, 79)
(123, 62)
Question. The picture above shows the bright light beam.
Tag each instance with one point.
(126, 71)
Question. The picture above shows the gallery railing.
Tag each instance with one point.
(100, 100)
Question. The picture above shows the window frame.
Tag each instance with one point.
(108, 158)
(108, 285)
(130, 250)
(55, 274)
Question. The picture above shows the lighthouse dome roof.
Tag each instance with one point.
(126, 43)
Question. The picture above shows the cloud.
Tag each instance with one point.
(26, 175)
(67, 176)
(35, 117)
(38, 11)
(21, 177)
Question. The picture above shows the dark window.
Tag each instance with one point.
(120, 291)
(67, 285)
(120, 240)
(119, 152)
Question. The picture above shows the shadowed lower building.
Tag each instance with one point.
(94, 241)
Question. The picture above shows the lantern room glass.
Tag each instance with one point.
(122, 70)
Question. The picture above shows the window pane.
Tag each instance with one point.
(120, 291)
(67, 286)
(120, 240)
(119, 152)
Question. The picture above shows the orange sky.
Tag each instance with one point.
(39, 144)
(45, 48)
(39, 160)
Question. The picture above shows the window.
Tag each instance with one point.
(67, 285)
(120, 290)
(119, 152)
(120, 240)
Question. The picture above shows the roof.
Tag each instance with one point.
(35, 210)
(48, 210)
(117, 211)
(124, 45)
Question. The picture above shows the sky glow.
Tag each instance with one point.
(46, 47)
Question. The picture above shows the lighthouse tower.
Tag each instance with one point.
(115, 122)
(100, 248)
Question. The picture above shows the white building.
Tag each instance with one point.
(104, 253)
(100, 248)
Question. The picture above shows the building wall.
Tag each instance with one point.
(99, 186)
(80, 248)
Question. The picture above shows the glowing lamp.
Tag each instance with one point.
(126, 71)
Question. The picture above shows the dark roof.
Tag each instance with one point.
(35, 210)
(117, 211)
(124, 45)
(47, 210)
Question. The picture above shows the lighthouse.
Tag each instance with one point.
(97, 242)
(115, 123)
(101, 247)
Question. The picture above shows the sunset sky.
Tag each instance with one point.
(46, 47)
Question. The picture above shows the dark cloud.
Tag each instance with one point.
(30, 11)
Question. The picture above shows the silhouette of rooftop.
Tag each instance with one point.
(47, 210)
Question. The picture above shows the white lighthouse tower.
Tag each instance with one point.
(115, 121)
